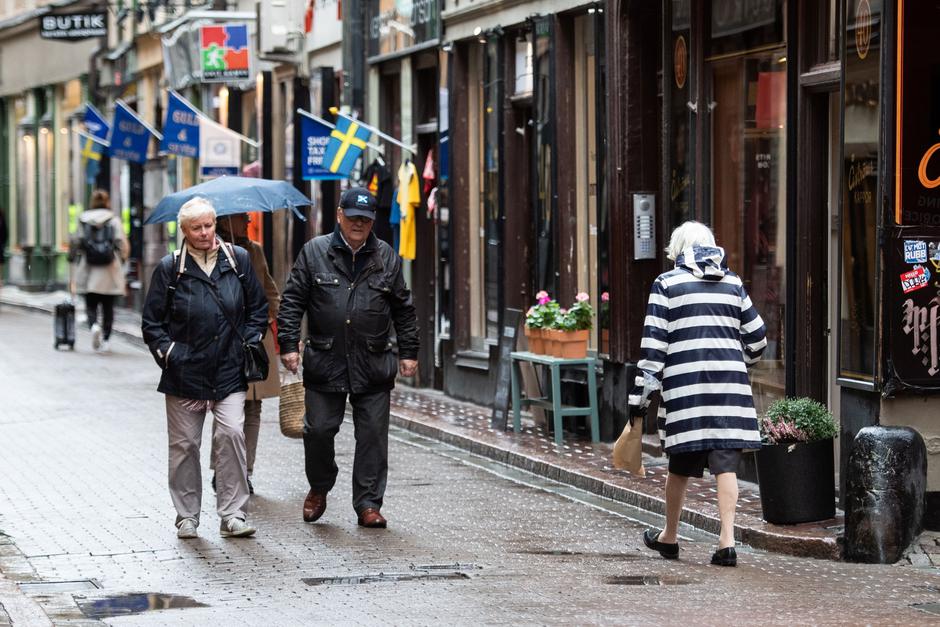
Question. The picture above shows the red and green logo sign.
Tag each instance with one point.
(223, 52)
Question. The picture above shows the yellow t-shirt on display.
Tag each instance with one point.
(409, 199)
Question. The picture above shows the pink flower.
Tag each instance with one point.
(605, 296)
(531, 311)
(562, 311)
(542, 294)
(545, 300)
(582, 297)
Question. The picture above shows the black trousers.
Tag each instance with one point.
(107, 311)
(325, 412)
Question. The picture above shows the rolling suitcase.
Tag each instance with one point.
(64, 324)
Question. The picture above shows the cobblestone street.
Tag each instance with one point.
(88, 531)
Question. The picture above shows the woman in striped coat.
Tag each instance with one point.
(700, 335)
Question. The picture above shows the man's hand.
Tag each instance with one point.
(408, 367)
(291, 361)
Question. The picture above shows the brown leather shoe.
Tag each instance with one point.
(314, 506)
(372, 518)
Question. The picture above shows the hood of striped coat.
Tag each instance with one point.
(704, 262)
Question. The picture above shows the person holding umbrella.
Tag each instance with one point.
(350, 286)
(234, 228)
(203, 304)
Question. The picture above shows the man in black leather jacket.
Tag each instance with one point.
(350, 286)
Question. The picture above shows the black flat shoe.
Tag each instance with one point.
(668, 551)
(725, 557)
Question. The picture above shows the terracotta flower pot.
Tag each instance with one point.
(549, 340)
(536, 344)
(572, 344)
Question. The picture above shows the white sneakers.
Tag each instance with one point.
(105, 347)
(236, 528)
(231, 528)
(96, 335)
(186, 529)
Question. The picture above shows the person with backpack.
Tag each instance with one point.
(98, 251)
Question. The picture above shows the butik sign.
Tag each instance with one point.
(74, 26)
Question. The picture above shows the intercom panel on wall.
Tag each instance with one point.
(644, 226)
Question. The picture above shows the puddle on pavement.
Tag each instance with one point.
(648, 580)
(930, 608)
(129, 604)
(384, 577)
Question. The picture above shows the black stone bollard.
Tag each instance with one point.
(884, 493)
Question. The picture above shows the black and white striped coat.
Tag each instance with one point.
(700, 335)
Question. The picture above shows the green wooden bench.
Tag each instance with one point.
(553, 401)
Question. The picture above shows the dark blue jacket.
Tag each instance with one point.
(189, 336)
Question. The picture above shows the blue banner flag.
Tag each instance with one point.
(347, 141)
(181, 129)
(95, 124)
(129, 135)
(315, 137)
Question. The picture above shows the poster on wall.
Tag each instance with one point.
(917, 175)
(395, 26)
(912, 295)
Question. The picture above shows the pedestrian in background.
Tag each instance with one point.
(98, 251)
(203, 302)
(351, 287)
(701, 334)
(234, 229)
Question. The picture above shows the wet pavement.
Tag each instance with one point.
(89, 537)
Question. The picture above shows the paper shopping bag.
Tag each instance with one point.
(628, 449)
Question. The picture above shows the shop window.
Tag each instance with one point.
(677, 85)
(860, 185)
(589, 147)
(544, 163)
(748, 185)
(492, 207)
(739, 26)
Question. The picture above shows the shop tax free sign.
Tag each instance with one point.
(74, 26)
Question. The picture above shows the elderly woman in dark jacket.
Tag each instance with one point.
(701, 334)
(194, 298)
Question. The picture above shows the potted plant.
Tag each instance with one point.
(795, 468)
(603, 322)
(571, 330)
(538, 319)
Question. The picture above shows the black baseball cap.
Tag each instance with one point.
(358, 201)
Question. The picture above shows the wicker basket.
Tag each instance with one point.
(292, 410)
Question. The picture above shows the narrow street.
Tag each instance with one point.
(87, 530)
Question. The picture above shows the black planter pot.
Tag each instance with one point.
(797, 482)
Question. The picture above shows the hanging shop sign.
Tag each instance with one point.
(219, 150)
(223, 52)
(912, 290)
(398, 25)
(917, 175)
(74, 26)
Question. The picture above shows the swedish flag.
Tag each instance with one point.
(347, 141)
(91, 154)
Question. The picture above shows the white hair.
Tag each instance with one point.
(195, 208)
(687, 235)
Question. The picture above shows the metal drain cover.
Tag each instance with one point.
(930, 608)
(384, 577)
(648, 580)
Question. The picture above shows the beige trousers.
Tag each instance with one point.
(252, 429)
(185, 420)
